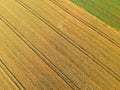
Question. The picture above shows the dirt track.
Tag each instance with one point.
(51, 44)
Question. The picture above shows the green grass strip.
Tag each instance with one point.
(106, 10)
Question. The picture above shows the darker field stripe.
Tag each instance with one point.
(87, 24)
(80, 48)
(46, 60)
(11, 76)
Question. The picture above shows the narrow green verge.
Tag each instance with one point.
(106, 10)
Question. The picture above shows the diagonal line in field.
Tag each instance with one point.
(80, 48)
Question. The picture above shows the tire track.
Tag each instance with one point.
(28, 73)
(11, 76)
(86, 23)
(80, 48)
(41, 55)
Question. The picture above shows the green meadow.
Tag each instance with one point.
(106, 10)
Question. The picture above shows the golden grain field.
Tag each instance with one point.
(56, 45)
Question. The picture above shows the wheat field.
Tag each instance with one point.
(56, 45)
